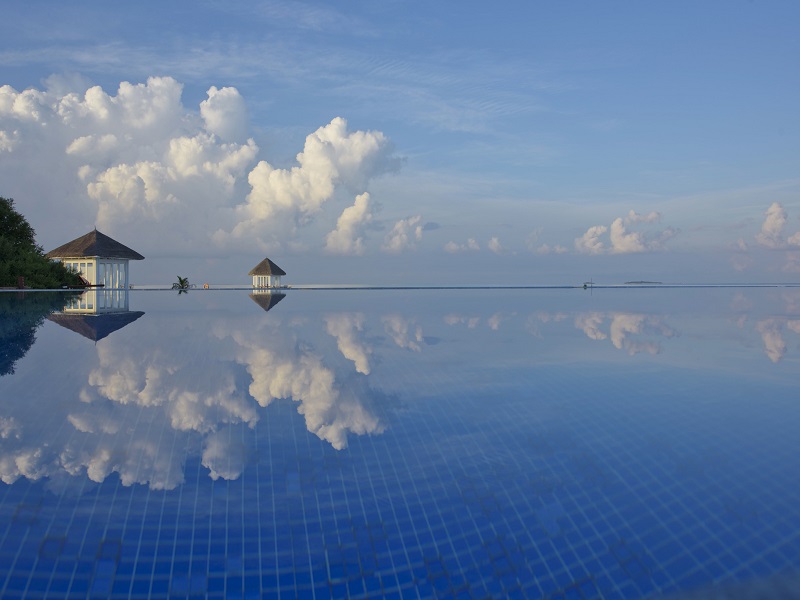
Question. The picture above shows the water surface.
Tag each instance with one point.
(400, 443)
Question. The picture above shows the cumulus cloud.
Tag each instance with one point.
(224, 113)
(454, 248)
(283, 199)
(590, 241)
(495, 246)
(771, 234)
(348, 237)
(138, 159)
(621, 239)
(403, 235)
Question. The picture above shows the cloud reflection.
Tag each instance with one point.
(626, 330)
(167, 388)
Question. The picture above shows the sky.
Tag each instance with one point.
(412, 143)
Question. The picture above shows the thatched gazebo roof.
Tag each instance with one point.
(93, 244)
(266, 267)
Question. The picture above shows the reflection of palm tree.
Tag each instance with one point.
(182, 284)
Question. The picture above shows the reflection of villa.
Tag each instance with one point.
(100, 260)
(96, 313)
(267, 300)
(266, 274)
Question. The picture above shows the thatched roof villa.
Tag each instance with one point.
(266, 274)
(102, 261)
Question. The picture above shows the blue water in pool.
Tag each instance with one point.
(607, 443)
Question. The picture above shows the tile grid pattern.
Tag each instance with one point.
(530, 491)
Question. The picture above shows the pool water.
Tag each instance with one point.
(533, 443)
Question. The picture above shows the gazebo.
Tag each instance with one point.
(266, 274)
(101, 261)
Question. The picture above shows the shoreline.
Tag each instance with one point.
(353, 287)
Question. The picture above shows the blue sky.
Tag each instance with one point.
(453, 142)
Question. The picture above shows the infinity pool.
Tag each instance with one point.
(606, 443)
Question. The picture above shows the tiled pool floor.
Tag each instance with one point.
(473, 465)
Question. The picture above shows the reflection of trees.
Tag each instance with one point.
(21, 314)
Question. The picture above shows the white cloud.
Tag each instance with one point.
(454, 248)
(771, 234)
(138, 160)
(348, 237)
(621, 239)
(8, 140)
(133, 160)
(590, 241)
(495, 246)
(280, 200)
(403, 235)
(225, 114)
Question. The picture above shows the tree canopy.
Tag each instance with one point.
(21, 256)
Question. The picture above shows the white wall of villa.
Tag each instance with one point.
(111, 273)
(266, 281)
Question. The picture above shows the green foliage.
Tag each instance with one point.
(21, 256)
(182, 285)
(15, 229)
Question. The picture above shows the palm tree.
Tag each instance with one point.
(181, 285)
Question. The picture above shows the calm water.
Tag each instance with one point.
(378, 443)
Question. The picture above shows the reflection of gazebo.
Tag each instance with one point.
(266, 274)
(96, 313)
(95, 326)
(267, 300)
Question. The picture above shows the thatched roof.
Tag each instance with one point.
(268, 300)
(95, 327)
(266, 267)
(93, 244)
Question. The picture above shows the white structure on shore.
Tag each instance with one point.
(266, 274)
(100, 260)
